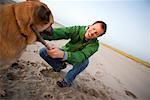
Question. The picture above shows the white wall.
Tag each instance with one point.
(128, 21)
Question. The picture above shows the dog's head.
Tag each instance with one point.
(33, 13)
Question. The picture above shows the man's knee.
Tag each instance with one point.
(86, 62)
(43, 52)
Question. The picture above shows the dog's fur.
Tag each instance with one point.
(15, 28)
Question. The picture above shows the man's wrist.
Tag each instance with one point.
(65, 57)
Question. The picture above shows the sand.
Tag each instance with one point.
(109, 76)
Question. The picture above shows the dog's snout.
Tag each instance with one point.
(48, 31)
(52, 29)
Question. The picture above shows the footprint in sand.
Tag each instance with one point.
(50, 73)
(11, 76)
(16, 65)
(130, 94)
(47, 95)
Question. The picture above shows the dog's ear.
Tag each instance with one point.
(43, 14)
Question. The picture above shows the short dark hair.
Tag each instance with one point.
(104, 26)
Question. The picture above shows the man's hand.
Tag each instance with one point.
(56, 53)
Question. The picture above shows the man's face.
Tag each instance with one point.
(94, 31)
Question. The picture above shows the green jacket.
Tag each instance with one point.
(78, 49)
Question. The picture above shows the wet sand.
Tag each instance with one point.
(31, 78)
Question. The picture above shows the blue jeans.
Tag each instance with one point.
(57, 62)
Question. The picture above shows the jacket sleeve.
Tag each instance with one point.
(60, 33)
(85, 53)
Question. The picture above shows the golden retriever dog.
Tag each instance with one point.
(16, 33)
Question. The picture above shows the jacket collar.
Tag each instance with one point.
(82, 32)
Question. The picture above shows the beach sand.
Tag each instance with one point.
(109, 76)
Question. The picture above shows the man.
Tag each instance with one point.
(83, 44)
